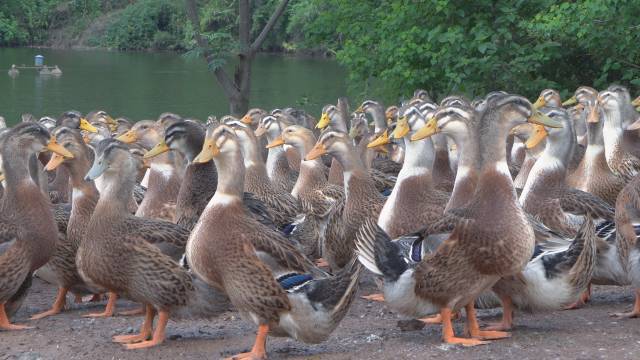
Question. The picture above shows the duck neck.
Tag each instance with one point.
(117, 190)
(251, 154)
(467, 173)
(163, 163)
(77, 169)
(418, 158)
(276, 157)
(379, 118)
(549, 172)
(231, 172)
(612, 132)
(192, 148)
(15, 165)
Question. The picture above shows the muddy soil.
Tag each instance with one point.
(370, 331)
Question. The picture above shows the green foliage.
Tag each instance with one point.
(455, 46)
(148, 24)
(24, 21)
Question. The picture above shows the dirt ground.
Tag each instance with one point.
(369, 331)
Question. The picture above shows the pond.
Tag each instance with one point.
(141, 85)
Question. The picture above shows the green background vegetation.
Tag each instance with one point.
(389, 47)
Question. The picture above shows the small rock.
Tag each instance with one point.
(410, 325)
(372, 338)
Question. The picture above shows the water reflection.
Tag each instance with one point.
(143, 85)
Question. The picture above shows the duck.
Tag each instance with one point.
(534, 143)
(200, 179)
(62, 265)
(56, 71)
(459, 122)
(548, 98)
(614, 104)
(59, 188)
(414, 200)
(546, 195)
(29, 230)
(118, 253)
(102, 117)
(321, 202)
(252, 118)
(362, 200)
(282, 205)
(306, 306)
(280, 172)
(593, 174)
(163, 179)
(459, 270)
(627, 221)
(332, 119)
(13, 72)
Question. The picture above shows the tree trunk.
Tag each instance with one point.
(238, 90)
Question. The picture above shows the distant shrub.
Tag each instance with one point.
(147, 24)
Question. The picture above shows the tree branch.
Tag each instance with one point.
(257, 43)
(228, 86)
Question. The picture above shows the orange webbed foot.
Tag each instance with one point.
(45, 314)
(248, 356)
(465, 341)
(158, 335)
(133, 312)
(374, 297)
(5, 324)
(130, 339)
(491, 335)
(144, 344)
(56, 308)
(437, 319)
(108, 310)
(626, 315)
(498, 326)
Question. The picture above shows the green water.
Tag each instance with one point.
(143, 85)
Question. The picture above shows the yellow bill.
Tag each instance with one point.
(323, 122)
(317, 151)
(430, 128)
(261, 130)
(160, 148)
(636, 102)
(383, 139)
(539, 103)
(538, 134)
(128, 137)
(402, 128)
(209, 151)
(570, 101)
(246, 120)
(542, 119)
(1, 177)
(279, 141)
(58, 149)
(54, 162)
(85, 125)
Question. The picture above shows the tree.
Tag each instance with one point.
(457, 46)
(238, 88)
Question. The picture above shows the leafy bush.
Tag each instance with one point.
(455, 46)
(147, 24)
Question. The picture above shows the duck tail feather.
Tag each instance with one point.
(378, 253)
(204, 302)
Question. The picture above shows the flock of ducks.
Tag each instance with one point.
(453, 205)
